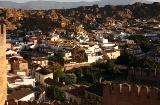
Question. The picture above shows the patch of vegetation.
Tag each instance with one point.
(55, 93)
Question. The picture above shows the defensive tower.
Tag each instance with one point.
(3, 72)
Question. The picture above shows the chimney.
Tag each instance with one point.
(100, 80)
(69, 88)
(35, 41)
(64, 83)
(58, 79)
(6, 103)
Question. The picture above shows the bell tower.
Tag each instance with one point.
(3, 71)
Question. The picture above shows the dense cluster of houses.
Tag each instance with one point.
(97, 48)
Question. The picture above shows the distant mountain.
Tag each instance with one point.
(45, 5)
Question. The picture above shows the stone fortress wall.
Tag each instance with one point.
(144, 74)
(3, 71)
(126, 94)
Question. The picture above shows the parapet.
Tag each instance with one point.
(144, 74)
(132, 90)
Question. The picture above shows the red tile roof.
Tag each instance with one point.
(52, 82)
(12, 79)
(78, 91)
(18, 59)
(96, 89)
(19, 94)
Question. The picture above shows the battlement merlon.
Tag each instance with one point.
(131, 90)
(2, 29)
(143, 72)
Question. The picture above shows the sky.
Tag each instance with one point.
(21, 1)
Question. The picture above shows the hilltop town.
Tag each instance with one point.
(88, 55)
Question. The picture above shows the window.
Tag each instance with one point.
(70, 99)
(41, 62)
(44, 62)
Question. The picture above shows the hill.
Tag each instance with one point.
(65, 18)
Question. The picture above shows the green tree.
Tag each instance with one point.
(9, 90)
(148, 62)
(50, 63)
(145, 46)
(110, 65)
(60, 58)
(138, 38)
(55, 93)
(127, 59)
(78, 72)
(57, 71)
(78, 55)
(63, 34)
(70, 78)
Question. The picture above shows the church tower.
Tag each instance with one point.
(3, 71)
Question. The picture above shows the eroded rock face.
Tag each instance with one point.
(62, 18)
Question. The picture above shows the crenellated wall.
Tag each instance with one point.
(144, 74)
(126, 94)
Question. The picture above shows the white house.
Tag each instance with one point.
(112, 54)
(25, 47)
(81, 37)
(10, 52)
(62, 46)
(93, 49)
(42, 74)
(92, 58)
(120, 35)
(15, 80)
(22, 95)
(55, 37)
(43, 61)
(100, 38)
(14, 47)
(67, 54)
(94, 54)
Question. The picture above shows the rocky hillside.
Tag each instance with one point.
(64, 18)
